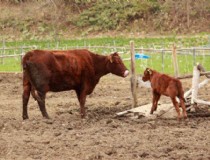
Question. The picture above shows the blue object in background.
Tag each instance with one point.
(141, 56)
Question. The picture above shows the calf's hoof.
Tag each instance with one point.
(83, 116)
(185, 117)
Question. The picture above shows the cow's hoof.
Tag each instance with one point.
(46, 117)
(25, 117)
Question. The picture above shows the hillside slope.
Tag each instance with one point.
(35, 19)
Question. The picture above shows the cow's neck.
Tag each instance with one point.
(100, 63)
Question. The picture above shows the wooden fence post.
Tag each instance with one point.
(175, 63)
(194, 58)
(133, 75)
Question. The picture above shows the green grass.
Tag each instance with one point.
(165, 42)
(10, 65)
(185, 62)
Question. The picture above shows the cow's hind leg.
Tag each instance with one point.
(25, 98)
(175, 103)
(41, 103)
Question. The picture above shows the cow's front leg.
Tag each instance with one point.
(81, 95)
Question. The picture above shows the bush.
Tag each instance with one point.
(119, 14)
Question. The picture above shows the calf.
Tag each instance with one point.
(165, 85)
(57, 71)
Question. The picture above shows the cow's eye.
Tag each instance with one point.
(117, 60)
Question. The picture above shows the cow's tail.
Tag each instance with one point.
(26, 58)
(29, 66)
(31, 71)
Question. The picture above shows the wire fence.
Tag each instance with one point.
(163, 61)
(160, 59)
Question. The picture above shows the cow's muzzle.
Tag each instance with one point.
(126, 73)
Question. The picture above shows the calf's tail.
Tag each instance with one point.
(180, 91)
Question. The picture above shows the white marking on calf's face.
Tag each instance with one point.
(146, 75)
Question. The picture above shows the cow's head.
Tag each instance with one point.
(116, 66)
(147, 74)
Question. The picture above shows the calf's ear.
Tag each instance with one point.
(149, 70)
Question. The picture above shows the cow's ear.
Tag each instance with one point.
(110, 58)
(115, 53)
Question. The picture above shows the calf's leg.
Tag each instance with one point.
(156, 102)
(156, 97)
(183, 107)
(175, 103)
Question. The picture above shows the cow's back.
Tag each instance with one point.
(61, 70)
(59, 59)
(73, 60)
(38, 57)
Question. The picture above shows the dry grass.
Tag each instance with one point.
(44, 18)
(29, 18)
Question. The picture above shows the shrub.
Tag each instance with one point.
(119, 14)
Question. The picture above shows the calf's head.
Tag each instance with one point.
(116, 66)
(147, 74)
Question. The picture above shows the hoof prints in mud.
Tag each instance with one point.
(100, 135)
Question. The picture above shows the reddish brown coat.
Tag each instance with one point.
(56, 71)
(163, 84)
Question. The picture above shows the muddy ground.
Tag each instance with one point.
(101, 135)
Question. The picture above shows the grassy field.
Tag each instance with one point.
(159, 61)
(163, 42)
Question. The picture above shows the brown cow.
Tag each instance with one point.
(56, 71)
(165, 85)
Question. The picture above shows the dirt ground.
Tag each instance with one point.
(101, 135)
